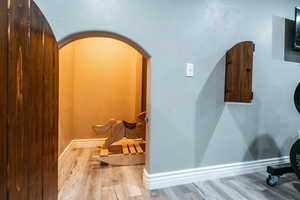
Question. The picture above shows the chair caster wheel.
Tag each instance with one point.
(272, 180)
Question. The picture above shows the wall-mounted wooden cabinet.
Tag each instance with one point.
(238, 75)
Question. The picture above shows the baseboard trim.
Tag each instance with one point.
(65, 153)
(64, 164)
(168, 179)
(88, 143)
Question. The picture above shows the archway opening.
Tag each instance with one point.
(103, 76)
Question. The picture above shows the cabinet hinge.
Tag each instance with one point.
(251, 95)
(227, 90)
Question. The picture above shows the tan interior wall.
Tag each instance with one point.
(106, 83)
(65, 96)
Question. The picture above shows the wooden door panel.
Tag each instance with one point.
(238, 76)
(246, 72)
(35, 106)
(28, 103)
(50, 118)
(232, 74)
(144, 84)
(3, 100)
(18, 65)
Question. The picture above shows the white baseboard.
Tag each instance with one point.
(65, 153)
(64, 162)
(168, 179)
(88, 143)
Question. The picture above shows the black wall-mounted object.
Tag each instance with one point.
(297, 98)
(297, 29)
(290, 53)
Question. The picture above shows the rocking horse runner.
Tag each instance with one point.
(132, 150)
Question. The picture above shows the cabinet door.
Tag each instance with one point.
(246, 72)
(238, 77)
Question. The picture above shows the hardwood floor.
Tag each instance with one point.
(88, 181)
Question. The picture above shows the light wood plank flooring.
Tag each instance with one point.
(88, 181)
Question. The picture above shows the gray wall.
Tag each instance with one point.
(191, 126)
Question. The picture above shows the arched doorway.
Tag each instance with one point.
(106, 34)
(29, 100)
(80, 37)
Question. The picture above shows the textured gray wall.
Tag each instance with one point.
(191, 126)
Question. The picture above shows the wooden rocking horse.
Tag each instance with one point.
(125, 144)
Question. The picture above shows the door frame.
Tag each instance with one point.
(146, 65)
(106, 34)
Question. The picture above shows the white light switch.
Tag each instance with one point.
(189, 70)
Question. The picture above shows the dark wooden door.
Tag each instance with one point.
(3, 99)
(29, 107)
(238, 80)
(144, 83)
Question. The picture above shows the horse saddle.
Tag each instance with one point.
(129, 125)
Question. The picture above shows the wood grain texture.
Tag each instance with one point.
(145, 69)
(34, 106)
(238, 78)
(50, 117)
(29, 70)
(3, 99)
(246, 72)
(18, 63)
(65, 165)
(125, 152)
(122, 159)
(89, 181)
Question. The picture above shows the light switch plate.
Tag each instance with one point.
(189, 70)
